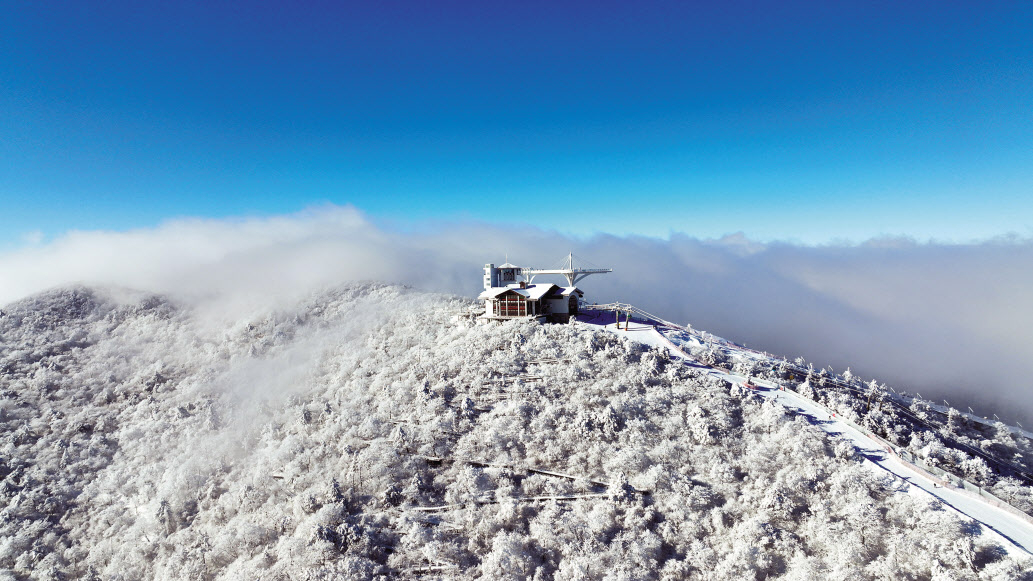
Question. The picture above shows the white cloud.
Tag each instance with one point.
(953, 320)
(32, 238)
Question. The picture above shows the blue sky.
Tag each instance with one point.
(800, 121)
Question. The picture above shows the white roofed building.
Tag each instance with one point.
(509, 295)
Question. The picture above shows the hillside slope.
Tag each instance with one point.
(375, 432)
(988, 454)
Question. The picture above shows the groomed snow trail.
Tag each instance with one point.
(1016, 534)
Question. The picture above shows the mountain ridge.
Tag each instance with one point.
(143, 443)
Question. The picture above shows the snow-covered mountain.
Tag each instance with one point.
(373, 431)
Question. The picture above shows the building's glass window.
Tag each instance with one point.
(512, 305)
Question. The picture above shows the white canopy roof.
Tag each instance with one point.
(532, 292)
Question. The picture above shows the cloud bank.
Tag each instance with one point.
(950, 321)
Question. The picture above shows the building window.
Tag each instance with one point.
(513, 305)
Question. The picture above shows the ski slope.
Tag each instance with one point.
(1015, 532)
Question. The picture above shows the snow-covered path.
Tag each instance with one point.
(1016, 533)
(1011, 527)
(642, 333)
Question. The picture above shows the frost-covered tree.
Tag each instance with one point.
(362, 433)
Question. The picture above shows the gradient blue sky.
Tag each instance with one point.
(802, 121)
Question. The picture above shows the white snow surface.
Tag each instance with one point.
(1015, 532)
(375, 432)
